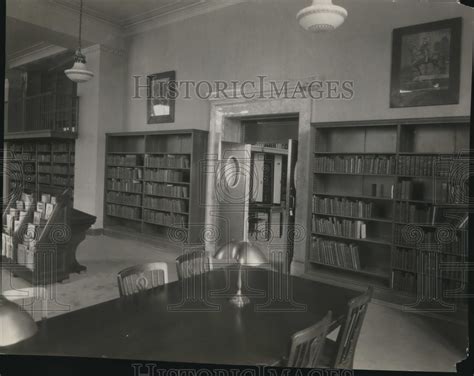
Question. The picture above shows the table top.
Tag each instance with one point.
(192, 321)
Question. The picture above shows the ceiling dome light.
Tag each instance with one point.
(79, 73)
(321, 16)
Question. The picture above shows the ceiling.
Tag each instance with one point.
(124, 13)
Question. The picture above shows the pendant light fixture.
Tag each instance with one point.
(79, 73)
(322, 15)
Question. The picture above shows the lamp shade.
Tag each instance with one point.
(245, 253)
(15, 325)
(79, 73)
(322, 15)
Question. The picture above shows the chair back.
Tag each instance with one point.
(142, 277)
(350, 331)
(193, 263)
(33, 300)
(307, 345)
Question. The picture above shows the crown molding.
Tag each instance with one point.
(33, 53)
(163, 15)
(196, 9)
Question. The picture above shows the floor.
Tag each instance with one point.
(390, 339)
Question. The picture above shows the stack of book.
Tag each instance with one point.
(165, 175)
(346, 228)
(123, 211)
(123, 198)
(125, 173)
(122, 160)
(170, 161)
(166, 219)
(335, 253)
(167, 190)
(419, 165)
(372, 165)
(180, 206)
(342, 206)
(124, 186)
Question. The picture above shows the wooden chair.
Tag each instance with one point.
(193, 263)
(142, 277)
(307, 345)
(340, 354)
(26, 298)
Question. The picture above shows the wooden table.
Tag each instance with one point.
(154, 326)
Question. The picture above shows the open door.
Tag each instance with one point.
(233, 192)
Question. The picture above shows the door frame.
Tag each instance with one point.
(225, 126)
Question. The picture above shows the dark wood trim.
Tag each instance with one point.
(39, 134)
(392, 122)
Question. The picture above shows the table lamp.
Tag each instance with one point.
(15, 325)
(245, 253)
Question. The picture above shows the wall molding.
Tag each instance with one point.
(33, 53)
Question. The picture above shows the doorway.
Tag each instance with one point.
(256, 188)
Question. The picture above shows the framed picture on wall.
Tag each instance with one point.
(161, 97)
(426, 64)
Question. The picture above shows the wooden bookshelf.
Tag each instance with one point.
(388, 201)
(40, 166)
(154, 184)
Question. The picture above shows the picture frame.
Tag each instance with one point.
(161, 97)
(426, 62)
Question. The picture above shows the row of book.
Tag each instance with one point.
(63, 158)
(63, 169)
(124, 198)
(378, 165)
(123, 211)
(125, 173)
(131, 160)
(335, 253)
(170, 143)
(347, 228)
(44, 169)
(342, 206)
(166, 204)
(417, 237)
(170, 160)
(44, 179)
(62, 181)
(404, 281)
(166, 175)
(167, 190)
(419, 165)
(408, 189)
(44, 158)
(166, 219)
(412, 213)
(128, 186)
(405, 259)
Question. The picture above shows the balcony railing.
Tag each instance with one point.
(44, 112)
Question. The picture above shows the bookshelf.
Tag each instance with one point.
(154, 184)
(389, 204)
(40, 166)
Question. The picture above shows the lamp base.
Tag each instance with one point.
(239, 300)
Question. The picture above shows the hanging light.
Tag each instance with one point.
(322, 15)
(79, 73)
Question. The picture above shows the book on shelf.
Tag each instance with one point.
(125, 173)
(179, 191)
(167, 161)
(165, 219)
(342, 207)
(335, 253)
(174, 205)
(404, 281)
(124, 198)
(125, 212)
(419, 165)
(131, 160)
(166, 176)
(371, 165)
(346, 228)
